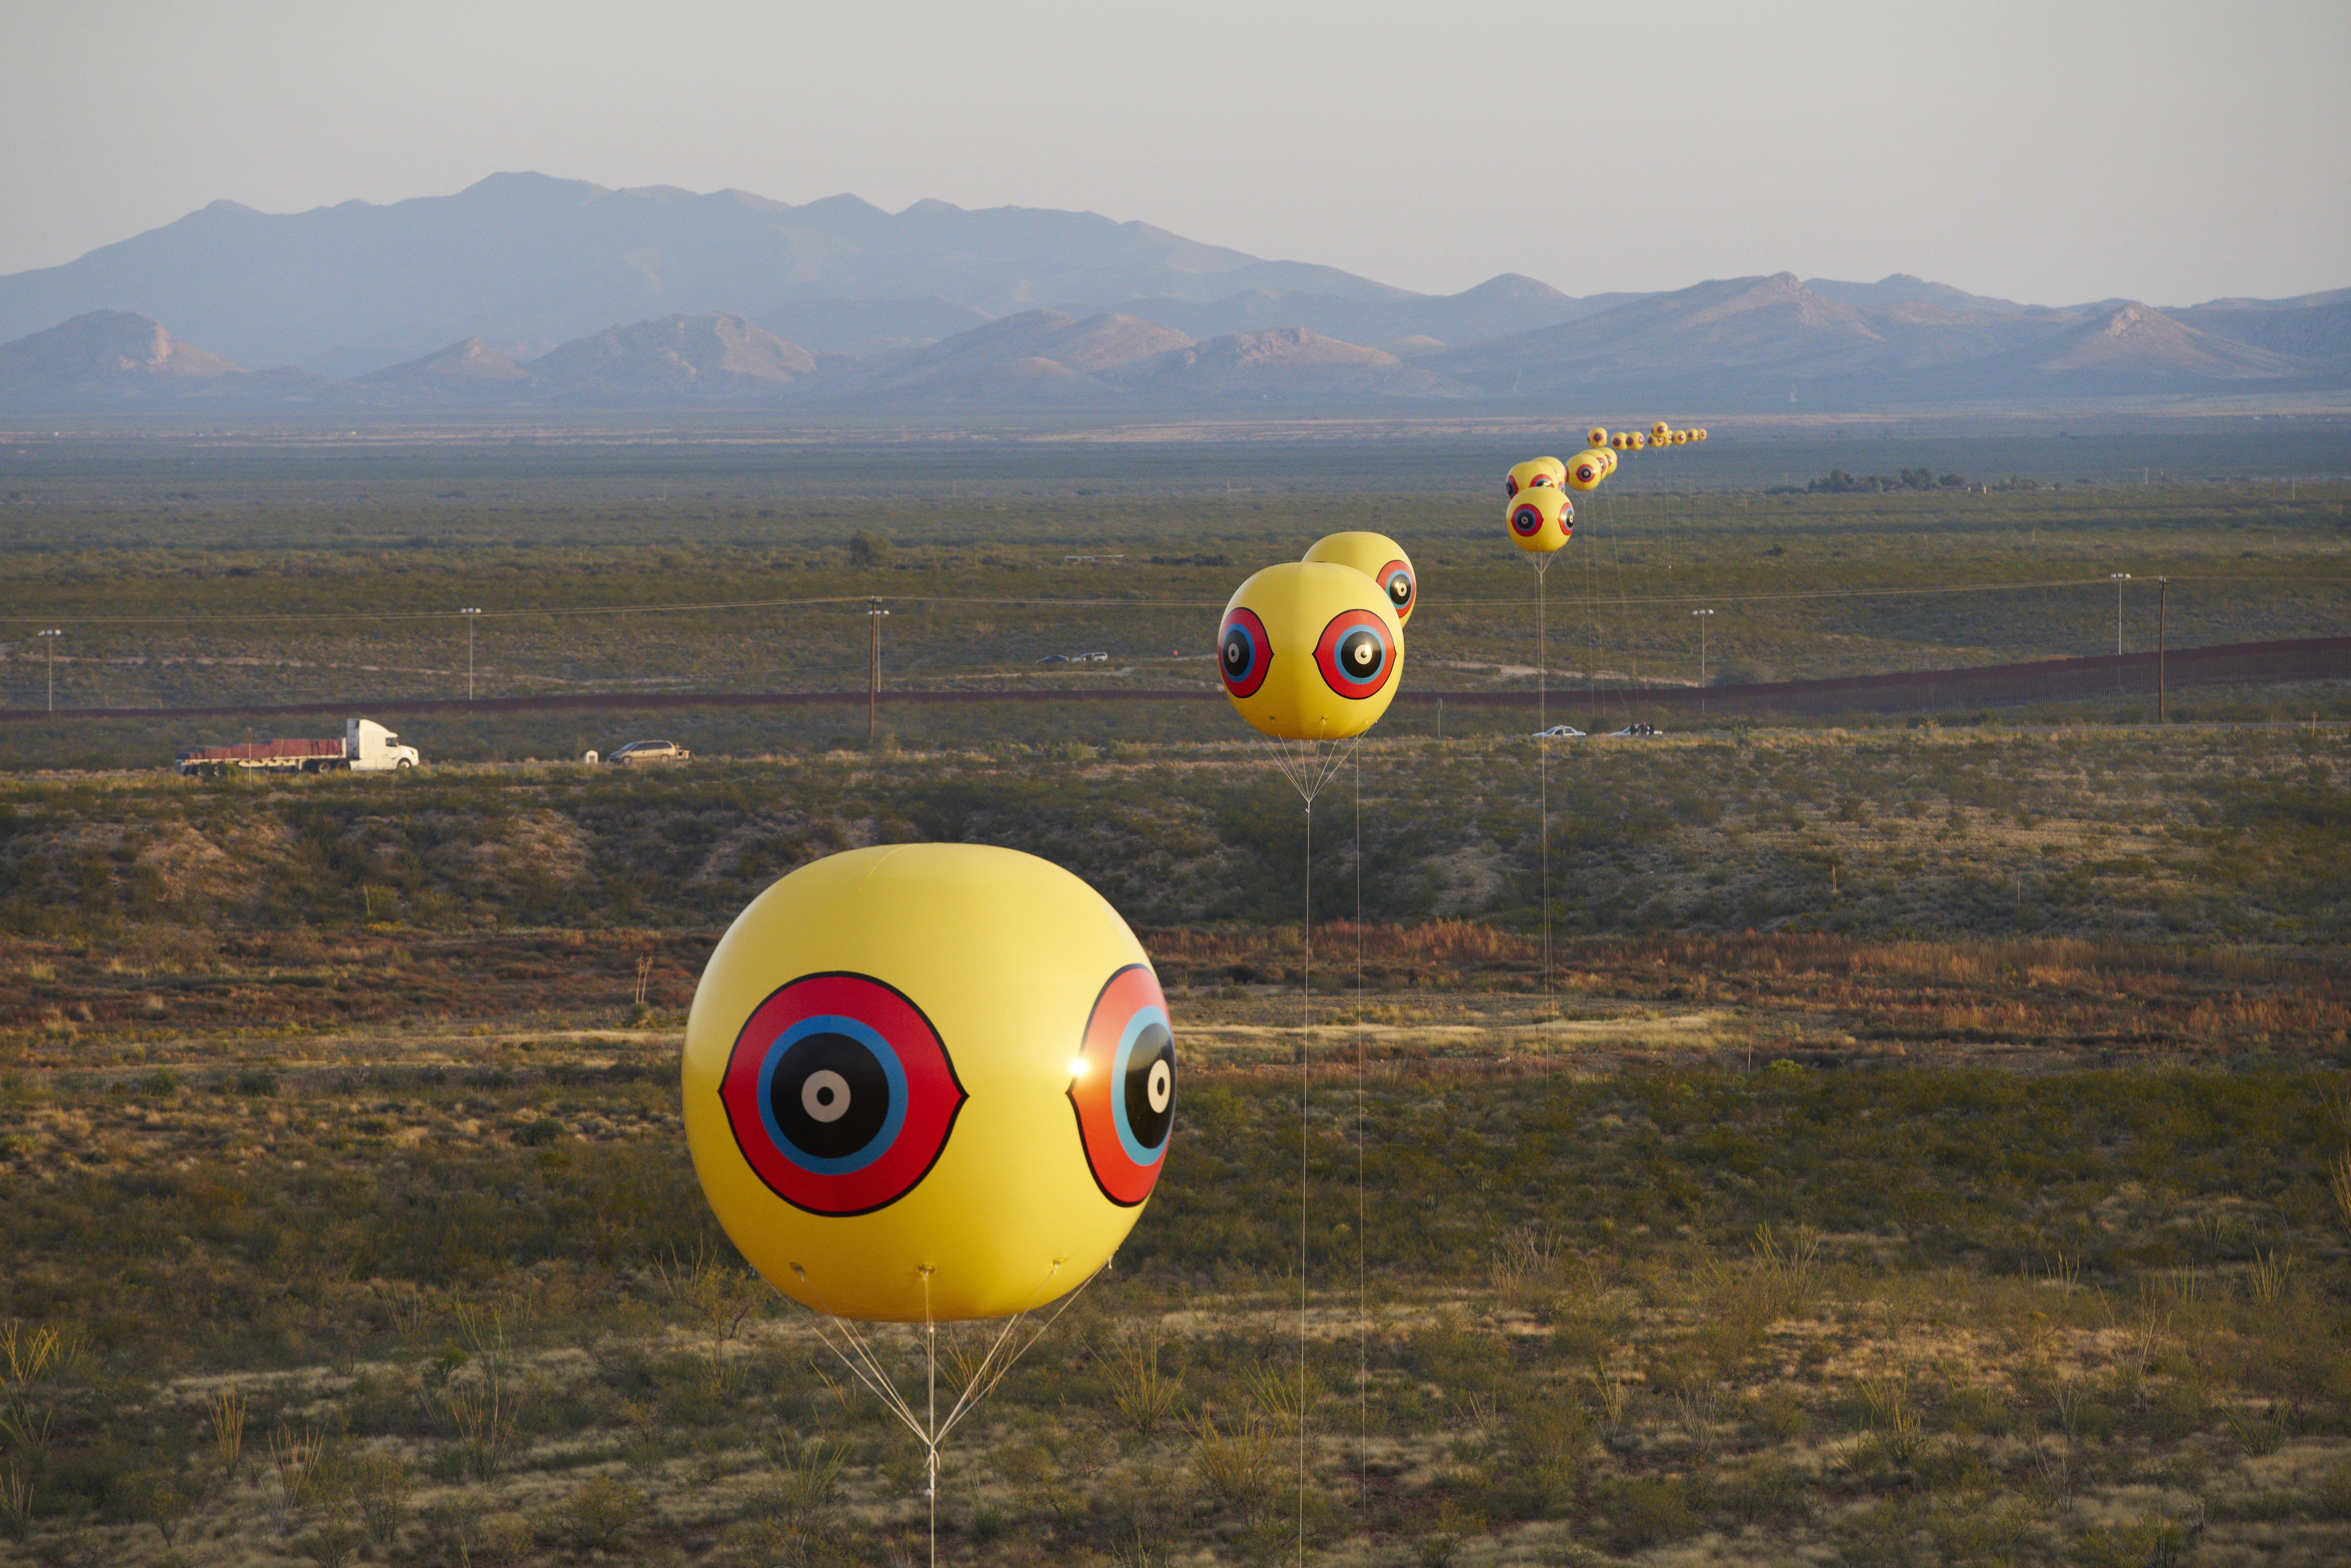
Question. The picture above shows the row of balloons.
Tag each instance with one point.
(1536, 504)
(820, 1086)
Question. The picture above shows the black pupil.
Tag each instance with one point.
(1400, 590)
(1150, 1122)
(1359, 655)
(847, 1129)
(1237, 653)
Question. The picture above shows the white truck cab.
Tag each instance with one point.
(367, 746)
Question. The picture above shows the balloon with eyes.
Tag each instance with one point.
(1377, 557)
(1310, 651)
(1533, 473)
(928, 1083)
(1541, 521)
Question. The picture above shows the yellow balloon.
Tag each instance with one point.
(1312, 651)
(1596, 436)
(1377, 557)
(1635, 441)
(1540, 520)
(928, 1081)
(1677, 437)
(1534, 472)
(1698, 434)
(1589, 468)
(1659, 432)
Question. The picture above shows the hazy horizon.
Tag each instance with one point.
(2051, 158)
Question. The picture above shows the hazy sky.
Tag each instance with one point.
(2051, 153)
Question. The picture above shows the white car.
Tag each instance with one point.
(638, 753)
(1635, 730)
(1558, 732)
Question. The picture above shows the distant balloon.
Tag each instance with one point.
(1589, 468)
(928, 1081)
(1677, 437)
(1312, 651)
(1533, 473)
(1634, 440)
(1660, 432)
(1377, 557)
(1540, 520)
(1596, 436)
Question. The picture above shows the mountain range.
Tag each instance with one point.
(524, 290)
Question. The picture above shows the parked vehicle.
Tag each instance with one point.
(1558, 732)
(366, 748)
(639, 753)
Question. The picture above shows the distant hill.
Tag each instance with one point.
(104, 355)
(1288, 364)
(1037, 354)
(527, 290)
(519, 258)
(1751, 341)
(690, 357)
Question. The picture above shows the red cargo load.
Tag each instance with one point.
(265, 751)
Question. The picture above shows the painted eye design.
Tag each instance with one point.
(841, 1094)
(1566, 516)
(1397, 578)
(1354, 654)
(1509, 486)
(1526, 522)
(1243, 652)
(1587, 472)
(1123, 1090)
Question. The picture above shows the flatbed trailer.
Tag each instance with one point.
(366, 748)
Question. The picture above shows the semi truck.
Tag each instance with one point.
(366, 748)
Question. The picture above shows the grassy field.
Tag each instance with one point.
(1921, 1143)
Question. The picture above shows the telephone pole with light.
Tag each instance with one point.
(469, 612)
(874, 615)
(2120, 578)
(1704, 617)
(48, 641)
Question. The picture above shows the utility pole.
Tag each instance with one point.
(2120, 578)
(469, 613)
(874, 615)
(2162, 639)
(1703, 617)
(48, 641)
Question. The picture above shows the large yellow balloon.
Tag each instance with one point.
(1377, 557)
(928, 1081)
(1596, 436)
(1534, 472)
(1540, 520)
(1312, 651)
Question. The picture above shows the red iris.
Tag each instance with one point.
(1124, 1090)
(1244, 652)
(840, 1093)
(1353, 654)
(1527, 521)
(1397, 578)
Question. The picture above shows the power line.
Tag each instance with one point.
(250, 617)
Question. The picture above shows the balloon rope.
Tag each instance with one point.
(1542, 768)
(856, 1352)
(1305, 1044)
(1363, 1287)
(931, 1385)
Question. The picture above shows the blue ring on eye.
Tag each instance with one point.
(896, 1071)
(1120, 1061)
(1368, 676)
